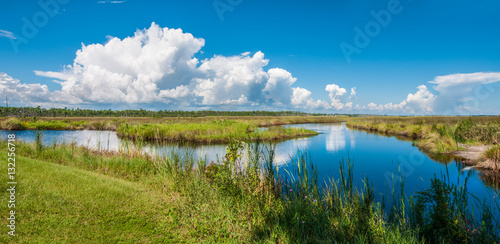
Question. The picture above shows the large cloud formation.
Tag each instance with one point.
(157, 66)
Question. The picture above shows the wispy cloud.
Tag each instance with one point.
(108, 1)
(8, 34)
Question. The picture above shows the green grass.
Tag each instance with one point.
(57, 203)
(106, 123)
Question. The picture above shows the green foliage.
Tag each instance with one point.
(443, 129)
(462, 130)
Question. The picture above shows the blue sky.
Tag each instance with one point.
(302, 39)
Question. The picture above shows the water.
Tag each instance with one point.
(374, 156)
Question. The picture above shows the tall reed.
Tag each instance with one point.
(39, 134)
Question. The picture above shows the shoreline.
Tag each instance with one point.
(473, 156)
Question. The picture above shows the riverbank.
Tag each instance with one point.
(471, 138)
(482, 157)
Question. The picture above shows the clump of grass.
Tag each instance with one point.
(493, 153)
(48, 125)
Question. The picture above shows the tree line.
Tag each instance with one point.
(23, 112)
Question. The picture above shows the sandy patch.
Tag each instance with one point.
(474, 156)
(471, 154)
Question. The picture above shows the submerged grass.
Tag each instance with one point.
(69, 193)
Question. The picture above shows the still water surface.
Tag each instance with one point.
(374, 156)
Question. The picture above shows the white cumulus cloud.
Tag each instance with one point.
(133, 70)
(157, 65)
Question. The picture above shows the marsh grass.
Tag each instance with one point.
(492, 156)
(39, 134)
(215, 131)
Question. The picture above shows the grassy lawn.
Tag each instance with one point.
(57, 203)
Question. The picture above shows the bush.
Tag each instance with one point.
(462, 130)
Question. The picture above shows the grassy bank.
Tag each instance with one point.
(71, 194)
(435, 134)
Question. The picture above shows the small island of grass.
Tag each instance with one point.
(215, 131)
